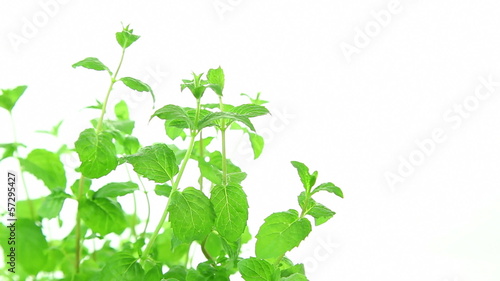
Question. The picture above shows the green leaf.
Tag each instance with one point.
(23, 208)
(197, 86)
(176, 273)
(329, 187)
(92, 63)
(156, 162)
(163, 190)
(165, 252)
(9, 149)
(96, 152)
(103, 215)
(231, 211)
(9, 97)
(123, 267)
(45, 166)
(213, 245)
(257, 99)
(154, 274)
(126, 37)
(280, 233)
(121, 111)
(130, 145)
(295, 277)
(257, 142)
(253, 269)
(52, 205)
(304, 175)
(173, 113)
(85, 187)
(138, 85)
(320, 213)
(54, 131)
(216, 79)
(31, 246)
(123, 126)
(115, 189)
(250, 110)
(98, 106)
(210, 119)
(191, 214)
(174, 132)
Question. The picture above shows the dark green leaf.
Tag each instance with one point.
(163, 190)
(115, 189)
(191, 214)
(329, 187)
(253, 269)
(231, 211)
(121, 111)
(123, 267)
(92, 63)
(31, 246)
(52, 205)
(280, 233)
(216, 79)
(212, 118)
(138, 85)
(156, 162)
(103, 215)
(9, 97)
(45, 166)
(250, 110)
(126, 37)
(97, 153)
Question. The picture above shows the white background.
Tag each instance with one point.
(354, 118)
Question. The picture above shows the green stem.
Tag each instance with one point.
(200, 179)
(16, 154)
(175, 186)
(132, 227)
(147, 203)
(98, 130)
(223, 136)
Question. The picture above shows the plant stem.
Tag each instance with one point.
(175, 186)
(223, 136)
(80, 188)
(200, 179)
(147, 202)
(16, 154)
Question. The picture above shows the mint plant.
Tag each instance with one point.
(210, 217)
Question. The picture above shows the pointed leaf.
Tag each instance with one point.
(216, 79)
(103, 215)
(52, 205)
(253, 269)
(156, 162)
(231, 211)
(121, 111)
(138, 85)
(173, 113)
(250, 110)
(45, 166)
(212, 118)
(97, 153)
(9, 97)
(92, 63)
(329, 187)
(126, 37)
(54, 131)
(9, 149)
(115, 189)
(191, 214)
(31, 246)
(304, 175)
(124, 267)
(257, 143)
(320, 213)
(295, 277)
(280, 233)
(163, 190)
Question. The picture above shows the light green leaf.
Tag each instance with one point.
(103, 215)
(329, 187)
(173, 113)
(174, 132)
(54, 131)
(123, 126)
(115, 189)
(92, 63)
(45, 166)
(250, 110)
(23, 208)
(197, 86)
(304, 175)
(295, 277)
(9, 97)
(31, 246)
(163, 190)
(9, 149)
(212, 118)
(165, 252)
(257, 99)
(231, 211)
(124, 267)
(280, 233)
(121, 111)
(216, 79)
(253, 269)
(191, 214)
(52, 205)
(126, 37)
(320, 213)
(130, 145)
(156, 162)
(257, 142)
(97, 153)
(85, 186)
(138, 85)
(154, 274)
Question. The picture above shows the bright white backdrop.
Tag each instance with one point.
(361, 91)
